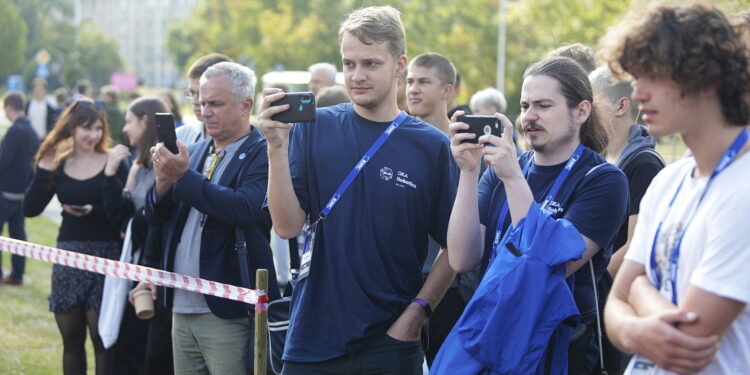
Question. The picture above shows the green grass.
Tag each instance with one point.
(29, 340)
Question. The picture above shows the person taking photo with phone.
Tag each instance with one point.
(545, 221)
(203, 196)
(361, 303)
(70, 163)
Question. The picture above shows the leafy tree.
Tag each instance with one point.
(48, 28)
(12, 38)
(95, 57)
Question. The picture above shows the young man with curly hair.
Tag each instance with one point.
(680, 298)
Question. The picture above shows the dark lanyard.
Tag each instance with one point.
(550, 196)
(361, 164)
(727, 159)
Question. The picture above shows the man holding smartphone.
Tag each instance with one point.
(565, 197)
(201, 195)
(360, 303)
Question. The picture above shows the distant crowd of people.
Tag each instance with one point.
(418, 243)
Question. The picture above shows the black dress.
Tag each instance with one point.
(91, 234)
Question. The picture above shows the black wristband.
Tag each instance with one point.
(425, 306)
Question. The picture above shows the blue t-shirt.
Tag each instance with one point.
(594, 198)
(368, 255)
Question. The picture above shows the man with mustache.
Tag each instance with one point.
(547, 221)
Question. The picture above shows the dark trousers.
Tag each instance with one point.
(12, 213)
(442, 321)
(384, 355)
(144, 346)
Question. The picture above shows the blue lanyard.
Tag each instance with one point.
(550, 196)
(728, 157)
(361, 164)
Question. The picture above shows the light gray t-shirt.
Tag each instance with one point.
(187, 255)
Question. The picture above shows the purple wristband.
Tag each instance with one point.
(425, 306)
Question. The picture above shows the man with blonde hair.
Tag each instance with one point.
(360, 303)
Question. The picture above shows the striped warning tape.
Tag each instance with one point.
(133, 272)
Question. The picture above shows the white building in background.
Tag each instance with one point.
(141, 27)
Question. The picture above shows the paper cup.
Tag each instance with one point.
(144, 305)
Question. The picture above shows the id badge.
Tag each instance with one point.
(307, 250)
(641, 366)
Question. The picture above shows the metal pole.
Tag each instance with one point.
(501, 46)
(261, 326)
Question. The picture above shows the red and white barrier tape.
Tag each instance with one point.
(133, 272)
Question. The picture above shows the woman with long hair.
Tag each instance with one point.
(141, 345)
(70, 163)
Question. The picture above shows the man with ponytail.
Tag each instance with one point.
(559, 207)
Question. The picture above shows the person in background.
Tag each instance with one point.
(172, 107)
(61, 98)
(580, 53)
(17, 151)
(39, 110)
(83, 89)
(194, 132)
(429, 81)
(321, 75)
(142, 346)
(331, 95)
(70, 163)
(109, 95)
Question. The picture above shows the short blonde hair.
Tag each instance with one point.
(376, 25)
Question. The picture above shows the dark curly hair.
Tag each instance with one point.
(694, 44)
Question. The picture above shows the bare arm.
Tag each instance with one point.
(655, 336)
(616, 260)
(286, 213)
(408, 325)
(465, 233)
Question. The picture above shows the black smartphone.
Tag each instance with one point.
(165, 128)
(301, 108)
(78, 207)
(480, 125)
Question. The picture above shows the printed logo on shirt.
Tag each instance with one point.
(386, 173)
(402, 179)
(553, 208)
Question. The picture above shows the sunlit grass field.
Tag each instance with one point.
(29, 341)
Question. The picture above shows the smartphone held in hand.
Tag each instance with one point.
(165, 126)
(480, 125)
(301, 108)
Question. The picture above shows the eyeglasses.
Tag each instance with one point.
(87, 104)
(190, 93)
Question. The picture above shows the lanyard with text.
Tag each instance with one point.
(550, 196)
(310, 229)
(727, 159)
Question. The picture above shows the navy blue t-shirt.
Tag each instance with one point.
(368, 254)
(594, 198)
